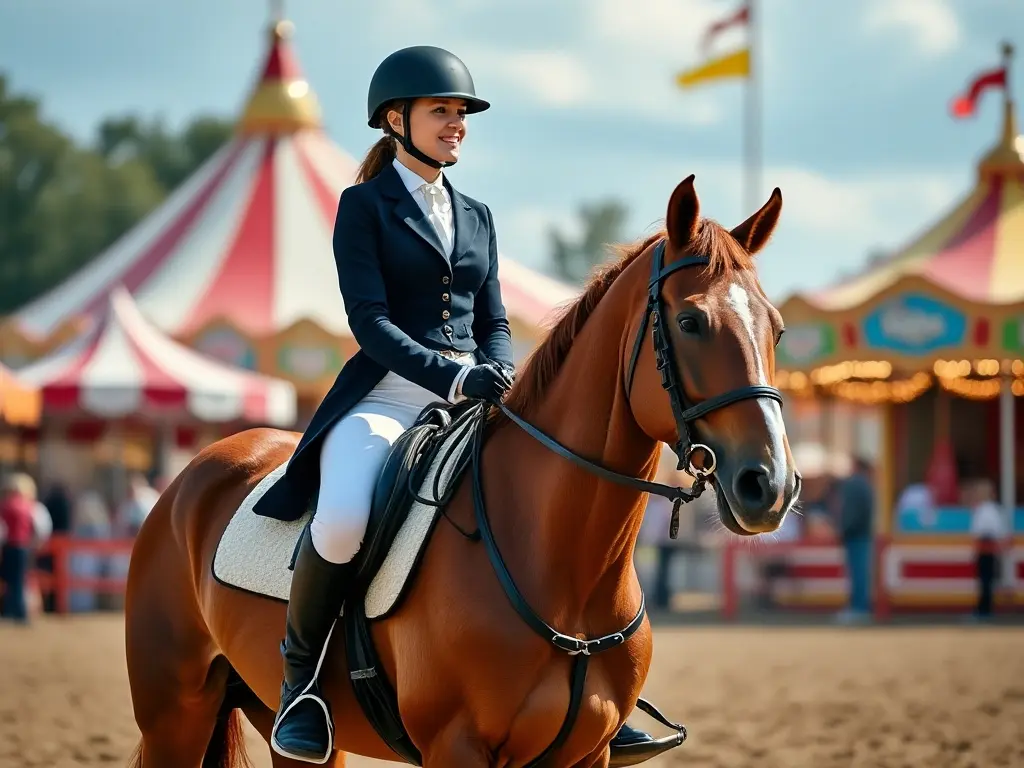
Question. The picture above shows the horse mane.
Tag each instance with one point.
(725, 256)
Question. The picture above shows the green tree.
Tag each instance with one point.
(62, 204)
(601, 225)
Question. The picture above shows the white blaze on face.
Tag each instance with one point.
(739, 300)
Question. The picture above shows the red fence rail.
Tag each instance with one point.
(61, 582)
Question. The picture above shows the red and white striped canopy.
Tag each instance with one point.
(247, 239)
(125, 366)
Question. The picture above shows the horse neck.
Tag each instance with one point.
(576, 531)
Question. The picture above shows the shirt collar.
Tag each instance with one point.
(412, 180)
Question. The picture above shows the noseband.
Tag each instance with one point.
(684, 411)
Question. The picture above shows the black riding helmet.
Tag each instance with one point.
(418, 72)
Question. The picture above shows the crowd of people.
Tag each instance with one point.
(27, 522)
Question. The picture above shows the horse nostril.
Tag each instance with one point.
(753, 488)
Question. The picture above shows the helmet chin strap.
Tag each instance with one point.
(407, 140)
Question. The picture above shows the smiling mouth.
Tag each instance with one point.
(451, 141)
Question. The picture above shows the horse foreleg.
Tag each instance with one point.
(262, 719)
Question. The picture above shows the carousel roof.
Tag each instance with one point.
(19, 402)
(247, 238)
(976, 252)
(124, 365)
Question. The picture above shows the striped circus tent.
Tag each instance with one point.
(975, 252)
(124, 367)
(238, 261)
(19, 402)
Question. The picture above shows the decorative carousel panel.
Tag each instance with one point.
(804, 344)
(914, 324)
(224, 343)
(1013, 335)
(309, 361)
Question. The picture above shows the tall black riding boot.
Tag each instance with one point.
(303, 728)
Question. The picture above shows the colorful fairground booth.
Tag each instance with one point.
(19, 415)
(929, 345)
(123, 397)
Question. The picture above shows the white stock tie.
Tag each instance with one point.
(439, 208)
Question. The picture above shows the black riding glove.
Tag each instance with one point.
(485, 382)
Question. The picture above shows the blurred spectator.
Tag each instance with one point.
(24, 524)
(129, 519)
(89, 520)
(136, 507)
(856, 527)
(654, 533)
(58, 504)
(917, 498)
(989, 531)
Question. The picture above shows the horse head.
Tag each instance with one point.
(716, 357)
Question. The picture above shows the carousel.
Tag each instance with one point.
(238, 262)
(924, 354)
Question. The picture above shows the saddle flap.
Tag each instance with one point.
(410, 463)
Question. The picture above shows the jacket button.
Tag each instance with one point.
(445, 315)
(446, 279)
(445, 297)
(446, 329)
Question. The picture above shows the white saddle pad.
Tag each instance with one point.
(254, 552)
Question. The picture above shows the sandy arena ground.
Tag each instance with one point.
(774, 697)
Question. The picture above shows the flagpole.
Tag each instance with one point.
(752, 115)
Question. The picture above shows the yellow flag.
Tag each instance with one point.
(736, 64)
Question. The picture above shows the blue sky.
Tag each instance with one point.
(856, 93)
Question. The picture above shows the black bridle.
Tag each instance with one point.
(685, 413)
(685, 448)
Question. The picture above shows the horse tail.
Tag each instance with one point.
(227, 744)
(135, 761)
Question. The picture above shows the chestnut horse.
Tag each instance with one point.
(476, 686)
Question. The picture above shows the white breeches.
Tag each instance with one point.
(351, 458)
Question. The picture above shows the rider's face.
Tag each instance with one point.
(438, 127)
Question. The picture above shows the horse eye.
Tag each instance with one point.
(689, 324)
(778, 336)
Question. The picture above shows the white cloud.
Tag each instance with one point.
(876, 205)
(555, 78)
(618, 57)
(677, 25)
(883, 206)
(932, 24)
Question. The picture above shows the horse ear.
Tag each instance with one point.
(683, 213)
(754, 233)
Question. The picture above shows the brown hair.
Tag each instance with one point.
(725, 256)
(377, 159)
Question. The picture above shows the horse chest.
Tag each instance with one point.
(544, 708)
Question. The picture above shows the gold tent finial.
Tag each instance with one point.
(282, 102)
